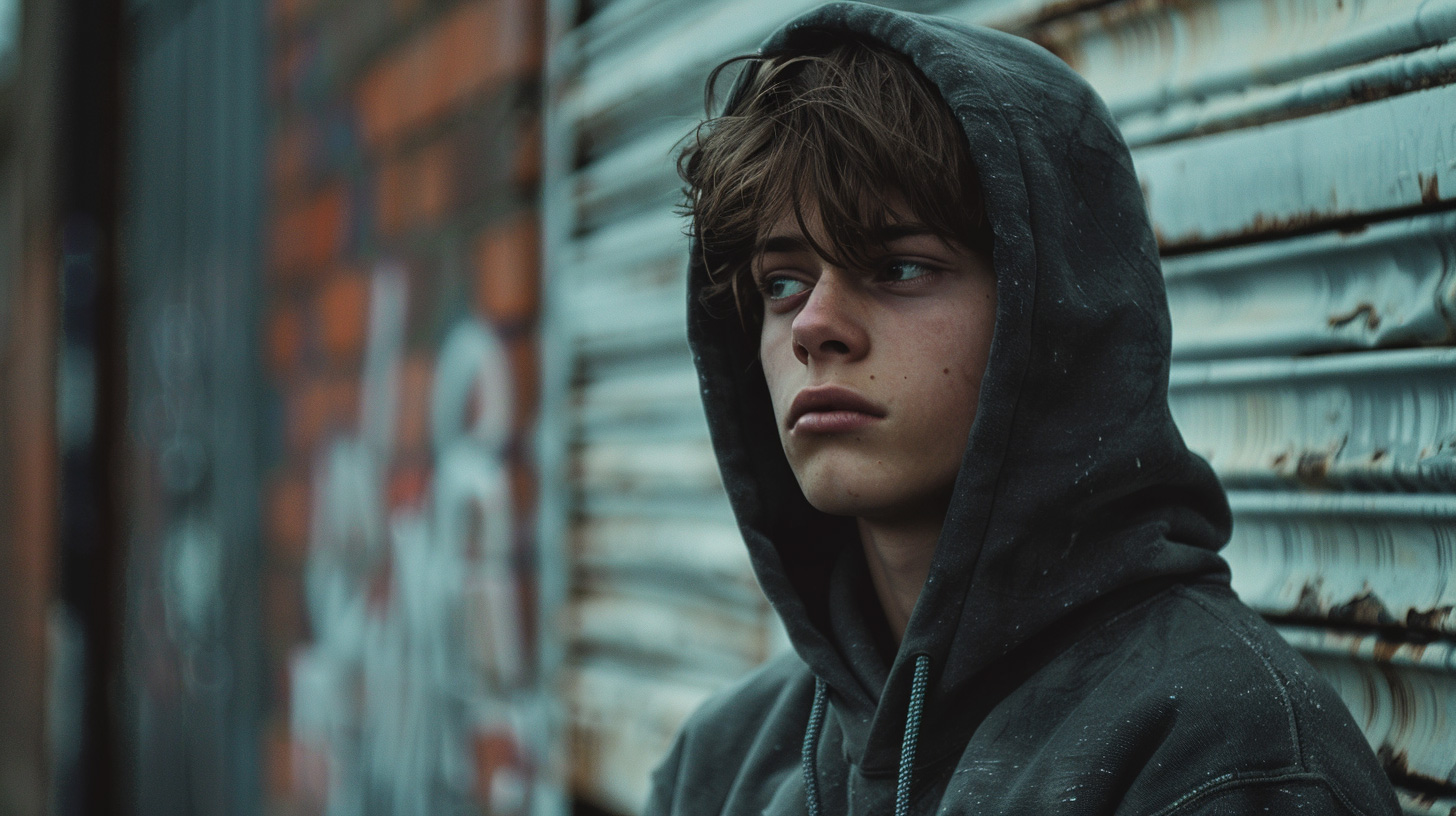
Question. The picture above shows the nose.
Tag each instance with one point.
(830, 326)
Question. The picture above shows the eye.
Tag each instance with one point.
(778, 288)
(903, 270)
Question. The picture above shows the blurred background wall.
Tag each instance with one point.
(270, 288)
(398, 311)
(192, 201)
(29, 80)
(351, 458)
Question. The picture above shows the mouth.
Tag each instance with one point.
(831, 409)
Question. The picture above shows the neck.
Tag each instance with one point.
(898, 554)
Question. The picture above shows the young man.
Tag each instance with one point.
(933, 344)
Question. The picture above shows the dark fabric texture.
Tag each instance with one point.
(1086, 654)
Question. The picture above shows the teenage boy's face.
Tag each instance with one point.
(874, 372)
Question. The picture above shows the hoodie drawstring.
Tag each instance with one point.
(811, 749)
(907, 748)
(912, 735)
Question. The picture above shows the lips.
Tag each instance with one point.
(831, 408)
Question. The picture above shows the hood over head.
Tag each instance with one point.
(1075, 490)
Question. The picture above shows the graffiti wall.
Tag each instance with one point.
(415, 694)
(400, 584)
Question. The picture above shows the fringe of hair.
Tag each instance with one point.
(834, 136)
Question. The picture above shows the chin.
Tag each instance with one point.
(836, 503)
(846, 489)
(852, 483)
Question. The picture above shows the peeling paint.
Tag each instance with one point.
(1364, 609)
(1397, 765)
(1426, 803)
(1430, 188)
(1313, 468)
(1142, 55)
(1379, 560)
(1309, 604)
(1363, 309)
(1401, 694)
(1434, 620)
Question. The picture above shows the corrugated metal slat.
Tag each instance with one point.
(1381, 420)
(1356, 162)
(1351, 559)
(1143, 55)
(1403, 697)
(1388, 284)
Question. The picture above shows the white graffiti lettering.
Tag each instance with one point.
(419, 648)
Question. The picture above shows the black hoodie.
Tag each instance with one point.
(1077, 645)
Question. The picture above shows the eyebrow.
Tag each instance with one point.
(882, 235)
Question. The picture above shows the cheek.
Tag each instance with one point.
(951, 358)
(967, 341)
(777, 359)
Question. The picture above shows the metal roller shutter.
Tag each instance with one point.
(1298, 158)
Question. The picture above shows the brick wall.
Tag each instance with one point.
(404, 137)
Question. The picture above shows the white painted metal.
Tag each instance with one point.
(1383, 285)
(1357, 162)
(1143, 55)
(554, 423)
(651, 468)
(1361, 559)
(1421, 804)
(1383, 420)
(1403, 696)
(708, 554)
(1260, 104)
(657, 403)
(670, 628)
(640, 174)
(625, 717)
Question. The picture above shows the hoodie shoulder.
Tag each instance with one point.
(735, 735)
(1186, 704)
(1254, 727)
(740, 706)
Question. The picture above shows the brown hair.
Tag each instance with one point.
(845, 132)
